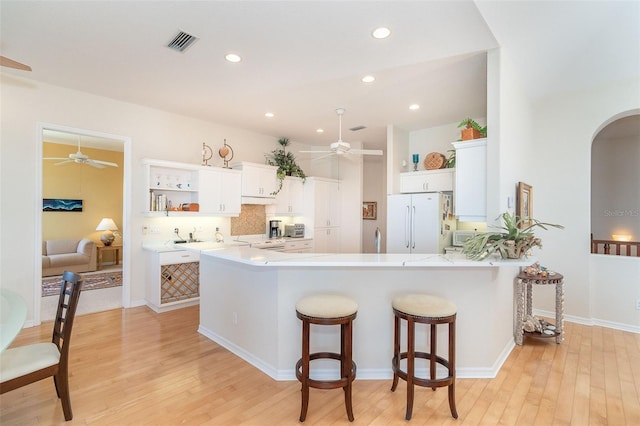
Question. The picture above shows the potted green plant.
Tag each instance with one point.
(472, 130)
(286, 163)
(450, 162)
(513, 243)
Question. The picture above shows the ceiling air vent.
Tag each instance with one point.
(355, 129)
(182, 41)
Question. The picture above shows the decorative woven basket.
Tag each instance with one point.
(434, 160)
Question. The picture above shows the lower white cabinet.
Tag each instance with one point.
(326, 240)
(173, 280)
(298, 246)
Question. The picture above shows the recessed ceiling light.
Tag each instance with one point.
(368, 79)
(382, 32)
(269, 115)
(414, 107)
(320, 131)
(232, 57)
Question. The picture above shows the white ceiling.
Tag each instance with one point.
(304, 59)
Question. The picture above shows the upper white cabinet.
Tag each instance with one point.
(220, 191)
(258, 180)
(471, 180)
(427, 181)
(290, 199)
(173, 186)
(323, 210)
(326, 201)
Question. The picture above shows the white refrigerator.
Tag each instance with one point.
(419, 223)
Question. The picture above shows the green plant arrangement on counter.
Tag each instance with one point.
(472, 130)
(286, 163)
(514, 243)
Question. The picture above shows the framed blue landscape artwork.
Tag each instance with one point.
(61, 205)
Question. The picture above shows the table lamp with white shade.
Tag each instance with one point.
(108, 226)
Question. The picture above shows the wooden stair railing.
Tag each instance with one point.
(617, 246)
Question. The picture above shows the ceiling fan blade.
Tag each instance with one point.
(103, 163)
(323, 156)
(316, 152)
(366, 151)
(56, 158)
(94, 163)
(10, 63)
(66, 161)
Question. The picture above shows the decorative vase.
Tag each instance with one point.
(470, 133)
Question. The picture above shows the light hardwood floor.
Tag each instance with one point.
(135, 367)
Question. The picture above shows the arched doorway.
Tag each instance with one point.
(615, 181)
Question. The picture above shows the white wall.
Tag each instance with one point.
(374, 189)
(565, 126)
(397, 147)
(154, 134)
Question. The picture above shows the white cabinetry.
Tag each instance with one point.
(326, 203)
(326, 240)
(427, 181)
(324, 207)
(298, 246)
(471, 180)
(171, 185)
(220, 191)
(258, 180)
(173, 280)
(290, 199)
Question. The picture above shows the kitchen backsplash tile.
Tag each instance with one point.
(252, 220)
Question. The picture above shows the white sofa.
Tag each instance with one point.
(68, 255)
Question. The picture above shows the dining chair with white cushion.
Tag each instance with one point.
(23, 365)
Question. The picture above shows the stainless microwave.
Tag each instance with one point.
(294, 231)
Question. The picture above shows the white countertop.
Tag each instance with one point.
(166, 246)
(268, 258)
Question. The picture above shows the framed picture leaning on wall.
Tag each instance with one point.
(524, 204)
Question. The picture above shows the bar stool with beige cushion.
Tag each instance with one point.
(327, 309)
(432, 310)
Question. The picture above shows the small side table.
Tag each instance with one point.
(113, 247)
(524, 293)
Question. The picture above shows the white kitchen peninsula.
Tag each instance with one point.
(248, 297)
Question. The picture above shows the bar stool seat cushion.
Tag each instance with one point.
(326, 306)
(424, 305)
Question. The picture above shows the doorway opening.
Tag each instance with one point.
(615, 188)
(81, 181)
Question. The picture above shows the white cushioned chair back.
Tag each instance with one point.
(61, 246)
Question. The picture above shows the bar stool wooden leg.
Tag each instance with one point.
(452, 369)
(433, 351)
(411, 355)
(346, 366)
(306, 328)
(396, 351)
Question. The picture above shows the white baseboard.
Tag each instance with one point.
(362, 374)
(591, 321)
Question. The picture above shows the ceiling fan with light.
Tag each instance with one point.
(81, 158)
(10, 63)
(341, 147)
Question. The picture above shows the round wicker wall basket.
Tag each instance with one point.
(434, 160)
